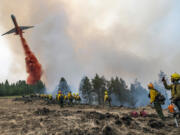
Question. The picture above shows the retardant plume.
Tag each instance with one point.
(33, 67)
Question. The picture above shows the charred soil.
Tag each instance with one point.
(36, 117)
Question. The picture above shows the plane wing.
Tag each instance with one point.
(9, 32)
(14, 29)
(25, 27)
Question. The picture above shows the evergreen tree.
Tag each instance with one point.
(99, 86)
(20, 88)
(63, 86)
(85, 90)
(120, 92)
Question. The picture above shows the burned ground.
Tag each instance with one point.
(36, 117)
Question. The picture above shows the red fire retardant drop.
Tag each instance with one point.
(33, 67)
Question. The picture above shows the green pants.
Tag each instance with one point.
(61, 102)
(158, 109)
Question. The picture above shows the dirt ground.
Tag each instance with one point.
(39, 118)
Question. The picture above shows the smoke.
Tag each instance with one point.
(33, 67)
(84, 37)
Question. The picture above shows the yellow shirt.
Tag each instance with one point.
(105, 97)
(175, 93)
(50, 97)
(153, 93)
(59, 95)
(69, 95)
(65, 97)
(77, 97)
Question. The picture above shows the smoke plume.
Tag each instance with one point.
(130, 39)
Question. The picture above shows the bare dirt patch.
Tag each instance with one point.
(36, 117)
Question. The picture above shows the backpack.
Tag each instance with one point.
(177, 90)
(160, 98)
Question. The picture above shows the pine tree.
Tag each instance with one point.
(19, 88)
(85, 90)
(120, 92)
(99, 85)
(63, 86)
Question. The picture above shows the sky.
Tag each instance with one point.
(130, 39)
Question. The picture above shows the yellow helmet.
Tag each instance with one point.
(59, 92)
(151, 86)
(175, 76)
(77, 94)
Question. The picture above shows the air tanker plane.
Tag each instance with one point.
(15, 29)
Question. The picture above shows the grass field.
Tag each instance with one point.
(39, 118)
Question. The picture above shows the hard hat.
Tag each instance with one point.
(60, 92)
(175, 76)
(150, 85)
(77, 94)
(171, 108)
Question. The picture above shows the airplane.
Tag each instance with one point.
(15, 29)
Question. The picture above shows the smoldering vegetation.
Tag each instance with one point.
(38, 118)
(92, 92)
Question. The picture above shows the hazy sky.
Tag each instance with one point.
(130, 39)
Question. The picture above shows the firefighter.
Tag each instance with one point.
(107, 98)
(74, 98)
(50, 97)
(174, 87)
(153, 94)
(65, 99)
(41, 96)
(78, 98)
(60, 99)
(45, 97)
(70, 98)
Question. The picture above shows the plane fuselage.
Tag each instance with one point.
(15, 23)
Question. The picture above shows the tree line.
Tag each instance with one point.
(92, 91)
(20, 88)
